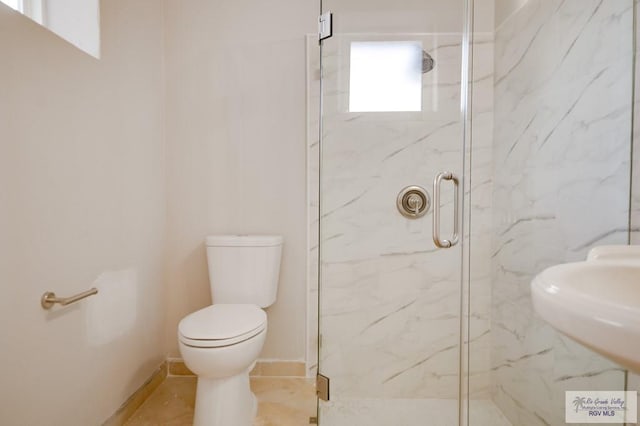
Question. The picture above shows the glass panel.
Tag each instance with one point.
(389, 299)
(558, 177)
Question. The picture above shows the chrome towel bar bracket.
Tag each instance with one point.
(49, 298)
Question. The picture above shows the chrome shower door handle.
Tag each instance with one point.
(436, 210)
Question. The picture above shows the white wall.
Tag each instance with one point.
(236, 148)
(82, 203)
(407, 16)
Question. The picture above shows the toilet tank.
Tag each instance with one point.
(244, 268)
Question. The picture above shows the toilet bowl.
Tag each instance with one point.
(221, 342)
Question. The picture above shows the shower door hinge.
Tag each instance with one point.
(322, 387)
(325, 26)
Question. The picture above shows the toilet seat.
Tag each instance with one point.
(222, 325)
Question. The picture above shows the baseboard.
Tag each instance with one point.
(264, 368)
(274, 368)
(134, 402)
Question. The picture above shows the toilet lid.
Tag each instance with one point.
(222, 322)
(199, 343)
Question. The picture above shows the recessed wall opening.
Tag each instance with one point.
(76, 21)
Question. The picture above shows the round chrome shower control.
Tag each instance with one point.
(413, 202)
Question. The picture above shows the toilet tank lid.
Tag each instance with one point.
(243, 240)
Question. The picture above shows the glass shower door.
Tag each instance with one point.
(416, 334)
(390, 298)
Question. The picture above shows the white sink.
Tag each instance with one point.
(596, 302)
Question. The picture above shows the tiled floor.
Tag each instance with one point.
(281, 402)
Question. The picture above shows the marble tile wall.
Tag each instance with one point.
(390, 299)
(561, 186)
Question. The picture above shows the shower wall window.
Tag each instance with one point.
(385, 76)
(523, 111)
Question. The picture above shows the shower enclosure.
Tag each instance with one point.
(509, 130)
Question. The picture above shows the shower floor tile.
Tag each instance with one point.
(281, 402)
(407, 412)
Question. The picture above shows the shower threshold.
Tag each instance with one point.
(407, 412)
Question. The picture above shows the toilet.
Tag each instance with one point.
(221, 343)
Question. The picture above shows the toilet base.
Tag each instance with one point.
(225, 402)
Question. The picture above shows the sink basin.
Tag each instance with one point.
(596, 302)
